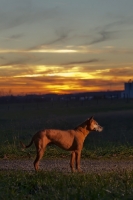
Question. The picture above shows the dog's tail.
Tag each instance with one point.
(26, 146)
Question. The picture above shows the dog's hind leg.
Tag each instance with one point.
(39, 155)
(40, 148)
(72, 161)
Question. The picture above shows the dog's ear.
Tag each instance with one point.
(91, 118)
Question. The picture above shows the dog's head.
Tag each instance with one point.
(93, 125)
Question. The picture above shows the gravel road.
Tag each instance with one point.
(62, 165)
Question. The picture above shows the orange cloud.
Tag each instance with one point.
(81, 76)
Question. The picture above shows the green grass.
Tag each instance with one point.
(12, 151)
(61, 186)
(21, 121)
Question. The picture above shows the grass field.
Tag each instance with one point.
(21, 121)
(60, 186)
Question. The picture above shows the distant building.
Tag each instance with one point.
(128, 90)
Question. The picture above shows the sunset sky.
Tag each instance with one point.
(65, 46)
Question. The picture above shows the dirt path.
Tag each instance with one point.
(62, 165)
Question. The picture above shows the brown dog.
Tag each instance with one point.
(70, 140)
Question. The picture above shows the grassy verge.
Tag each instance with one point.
(60, 186)
(107, 151)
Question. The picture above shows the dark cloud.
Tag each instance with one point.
(121, 72)
(102, 36)
(119, 23)
(16, 62)
(20, 59)
(61, 36)
(83, 62)
(24, 13)
(15, 36)
(120, 51)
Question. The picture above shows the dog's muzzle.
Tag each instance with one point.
(98, 128)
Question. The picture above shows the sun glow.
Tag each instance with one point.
(28, 75)
(54, 51)
(81, 75)
(39, 51)
(58, 78)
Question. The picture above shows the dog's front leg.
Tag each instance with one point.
(78, 156)
(72, 161)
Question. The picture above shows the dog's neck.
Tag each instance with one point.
(83, 130)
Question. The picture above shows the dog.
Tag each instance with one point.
(70, 140)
